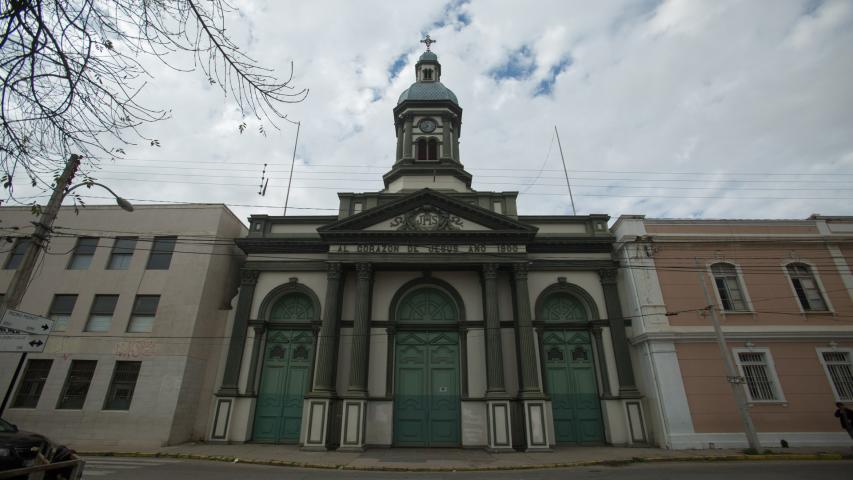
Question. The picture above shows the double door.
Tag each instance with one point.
(571, 384)
(285, 380)
(426, 394)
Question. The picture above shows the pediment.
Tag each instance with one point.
(427, 213)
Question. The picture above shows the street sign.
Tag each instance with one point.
(22, 343)
(26, 322)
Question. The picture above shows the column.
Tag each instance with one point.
(497, 401)
(601, 362)
(407, 138)
(231, 376)
(253, 362)
(355, 403)
(446, 147)
(536, 432)
(400, 129)
(624, 371)
(319, 411)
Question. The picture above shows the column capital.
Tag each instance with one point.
(519, 271)
(607, 276)
(334, 270)
(260, 329)
(364, 270)
(490, 270)
(249, 277)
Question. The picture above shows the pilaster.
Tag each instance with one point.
(231, 376)
(253, 362)
(494, 356)
(355, 403)
(319, 402)
(624, 370)
(536, 431)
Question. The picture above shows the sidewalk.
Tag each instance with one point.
(449, 459)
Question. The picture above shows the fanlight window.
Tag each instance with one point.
(563, 307)
(427, 305)
(294, 307)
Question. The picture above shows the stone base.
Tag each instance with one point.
(352, 426)
(536, 427)
(315, 423)
(500, 426)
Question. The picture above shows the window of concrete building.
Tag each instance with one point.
(17, 254)
(839, 368)
(77, 384)
(161, 253)
(729, 287)
(83, 253)
(144, 311)
(60, 311)
(806, 287)
(757, 369)
(32, 383)
(122, 386)
(122, 253)
(101, 315)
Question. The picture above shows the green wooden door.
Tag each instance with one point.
(570, 376)
(426, 398)
(284, 382)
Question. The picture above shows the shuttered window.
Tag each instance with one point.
(83, 253)
(122, 253)
(60, 311)
(729, 287)
(761, 382)
(17, 254)
(806, 287)
(29, 390)
(161, 253)
(144, 310)
(840, 371)
(122, 386)
(77, 384)
(101, 316)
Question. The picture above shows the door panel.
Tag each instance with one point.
(284, 382)
(572, 387)
(426, 400)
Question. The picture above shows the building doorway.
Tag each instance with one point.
(427, 407)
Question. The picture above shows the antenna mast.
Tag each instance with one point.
(292, 163)
(566, 171)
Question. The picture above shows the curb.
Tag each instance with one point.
(587, 463)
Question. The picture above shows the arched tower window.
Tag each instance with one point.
(293, 307)
(427, 305)
(563, 307)
(427, 74)
(421, 148)
(432, 149)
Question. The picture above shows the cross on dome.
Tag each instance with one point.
(428, 41)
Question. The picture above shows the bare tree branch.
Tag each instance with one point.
(72, 72)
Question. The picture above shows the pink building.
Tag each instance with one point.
(783, 292)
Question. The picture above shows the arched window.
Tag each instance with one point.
(563, 307)
(427, 305)
(293, 307)
(421, 149)
(728, 287)
(805, 284)
(427, 74)
(432, 149)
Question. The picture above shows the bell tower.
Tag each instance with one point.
(428, 124)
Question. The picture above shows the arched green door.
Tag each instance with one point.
(426, 394)
(285, 377)
(570, 374)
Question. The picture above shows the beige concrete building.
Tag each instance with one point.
(140, 302)
(428, 314)
(783, 291)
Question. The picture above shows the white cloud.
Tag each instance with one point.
(735, 90)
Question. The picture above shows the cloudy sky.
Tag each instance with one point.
(711, 109)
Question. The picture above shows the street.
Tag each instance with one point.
(172, 469)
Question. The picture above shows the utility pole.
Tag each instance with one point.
(735, 381)
(24, 272)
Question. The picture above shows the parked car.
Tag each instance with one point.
(19, 449)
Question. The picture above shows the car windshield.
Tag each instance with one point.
(6, 427)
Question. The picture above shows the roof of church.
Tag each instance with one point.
(427, 91)
(428, 56)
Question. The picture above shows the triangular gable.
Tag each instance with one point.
(427, 212)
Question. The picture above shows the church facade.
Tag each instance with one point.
(428, 314)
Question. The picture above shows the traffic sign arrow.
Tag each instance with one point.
(26, 322)
(22, 343)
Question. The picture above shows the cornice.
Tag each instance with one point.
(741, 336)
